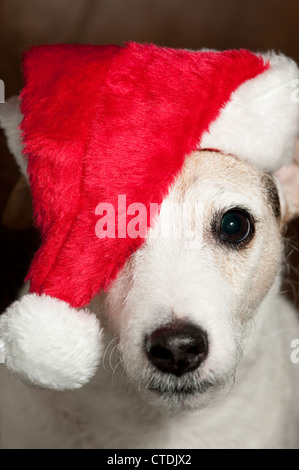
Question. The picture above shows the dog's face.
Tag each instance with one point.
(182, 305)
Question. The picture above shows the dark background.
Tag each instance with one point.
(220, 24)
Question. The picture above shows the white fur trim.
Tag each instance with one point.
(50, 344)
(260, 123)
(10, 119)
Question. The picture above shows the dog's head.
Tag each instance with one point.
(182, 306)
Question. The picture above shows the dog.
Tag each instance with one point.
(199, 340)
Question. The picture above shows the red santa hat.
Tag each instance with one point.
(106, 121)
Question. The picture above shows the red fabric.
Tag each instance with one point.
(101, 121)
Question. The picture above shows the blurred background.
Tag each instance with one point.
(220, 24)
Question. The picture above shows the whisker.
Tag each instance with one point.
(110, 357)
(106, 350)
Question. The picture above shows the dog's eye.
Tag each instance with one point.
(236, 226)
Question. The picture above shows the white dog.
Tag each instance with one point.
(199, 342)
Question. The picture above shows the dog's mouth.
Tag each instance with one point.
(180, 391)
(185, 395)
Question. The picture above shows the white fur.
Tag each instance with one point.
(50, 344)
(260, 122)
(260, 411)
(10, 119)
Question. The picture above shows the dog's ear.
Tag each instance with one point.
(10, 120)
(18, 211)
(288, 182)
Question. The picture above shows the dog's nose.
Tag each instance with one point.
(177, 348)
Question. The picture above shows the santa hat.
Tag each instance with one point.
(106, 121)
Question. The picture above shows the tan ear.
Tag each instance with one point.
(288, 182)
(18, 211)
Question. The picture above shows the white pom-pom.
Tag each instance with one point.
(49, 344)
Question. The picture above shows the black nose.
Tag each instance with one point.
(177, 348)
